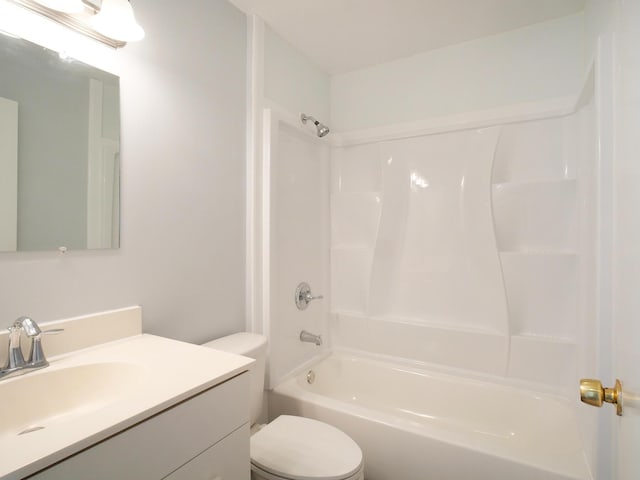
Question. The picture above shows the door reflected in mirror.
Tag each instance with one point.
(59, 151)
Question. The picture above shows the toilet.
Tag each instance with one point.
(290, 447)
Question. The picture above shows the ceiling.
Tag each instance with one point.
(344, 35)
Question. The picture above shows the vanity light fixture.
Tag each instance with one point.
(111, 22)
(116, 20)
(65, 6)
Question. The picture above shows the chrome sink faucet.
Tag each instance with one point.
(16, 364)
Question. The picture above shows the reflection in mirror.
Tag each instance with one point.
(59, 151)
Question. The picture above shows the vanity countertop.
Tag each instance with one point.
(103, 390)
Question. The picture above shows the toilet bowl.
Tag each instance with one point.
(291, 447)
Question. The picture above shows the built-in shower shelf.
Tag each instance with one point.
(536, 151)
(351, 247)
(537, 215)
(533, 337)
(542, 293)
(356, 194)
(539, 253)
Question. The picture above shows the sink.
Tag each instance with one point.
(88, 395)
(40, 399)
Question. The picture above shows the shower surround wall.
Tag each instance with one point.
(462, 248)
(296, 230)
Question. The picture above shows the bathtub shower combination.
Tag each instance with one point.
(461, 249)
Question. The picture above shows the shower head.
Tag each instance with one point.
(322, 129)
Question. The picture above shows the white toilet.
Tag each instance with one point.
(290, 447)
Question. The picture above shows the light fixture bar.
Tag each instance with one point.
(71, 21)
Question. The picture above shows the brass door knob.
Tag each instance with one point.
(592, 393)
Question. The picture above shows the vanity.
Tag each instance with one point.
(118, 404)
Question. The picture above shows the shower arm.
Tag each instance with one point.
(304, 118)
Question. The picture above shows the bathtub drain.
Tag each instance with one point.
(311, 376)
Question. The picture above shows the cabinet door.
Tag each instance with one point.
(226, 460)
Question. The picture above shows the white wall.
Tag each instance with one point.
(292, 81)
(183, 143)
(530, 64)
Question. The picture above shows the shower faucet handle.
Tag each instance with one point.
(303, 296)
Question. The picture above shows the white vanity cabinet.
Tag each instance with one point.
(205, 437)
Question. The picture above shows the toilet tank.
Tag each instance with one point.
(250, 345)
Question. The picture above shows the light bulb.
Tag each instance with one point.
(66, 6)
(116, 20)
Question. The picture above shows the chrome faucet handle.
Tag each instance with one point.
(308, 297)
(303, 296)
(36, 355)
(31, 328)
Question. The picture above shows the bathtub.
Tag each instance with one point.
(420, 425)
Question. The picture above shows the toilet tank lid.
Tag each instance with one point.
(243, 343)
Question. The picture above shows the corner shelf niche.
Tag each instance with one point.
(535, 207)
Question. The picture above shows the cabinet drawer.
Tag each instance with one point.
(158, 446)
(226, 460)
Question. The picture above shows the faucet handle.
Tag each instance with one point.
(304, 296)
(36, 355)
(31, 328)
(53, 331)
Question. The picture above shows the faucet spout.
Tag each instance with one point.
(16, 364)
(310, 337)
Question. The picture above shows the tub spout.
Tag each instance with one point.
(310, 337)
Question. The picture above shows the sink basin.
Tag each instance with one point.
(37, 400)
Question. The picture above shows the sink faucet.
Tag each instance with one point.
(310, 337)
(16, 364)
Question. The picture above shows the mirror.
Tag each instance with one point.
(59, 151)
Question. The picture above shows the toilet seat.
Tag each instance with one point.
(299, 448)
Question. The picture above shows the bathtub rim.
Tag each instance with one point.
(292, 389)
(417, 366)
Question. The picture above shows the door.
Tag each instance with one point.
(626, 237)
(618, 456)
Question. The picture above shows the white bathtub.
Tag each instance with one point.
(417, 425)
